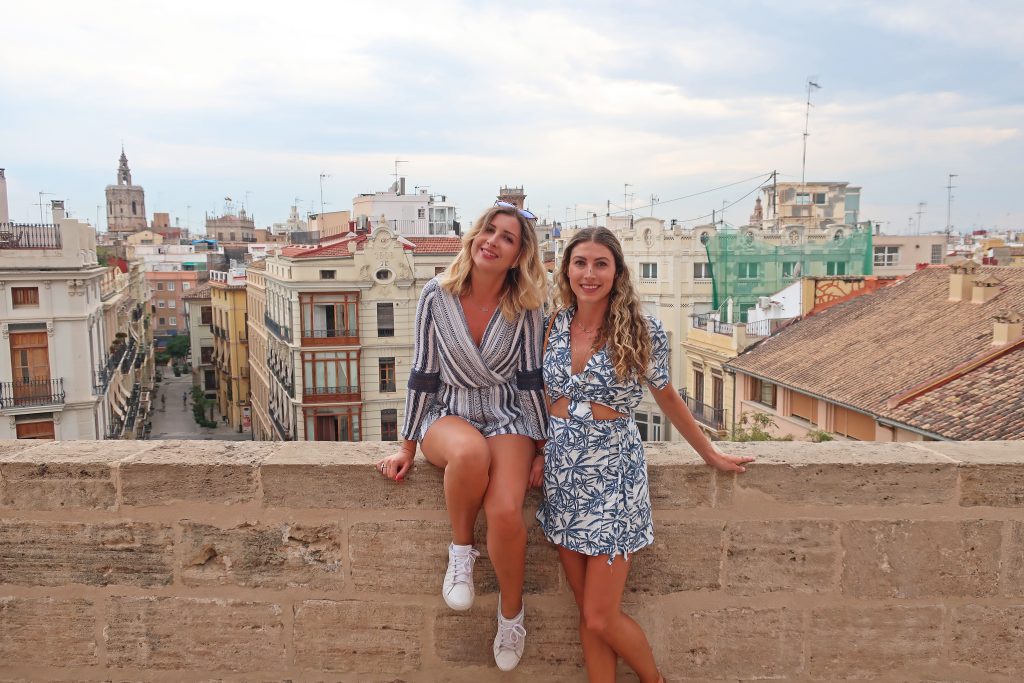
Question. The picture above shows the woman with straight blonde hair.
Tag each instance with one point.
(597, 506)
(476, 407)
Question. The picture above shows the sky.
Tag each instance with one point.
(591, 105)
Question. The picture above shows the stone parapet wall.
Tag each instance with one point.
(237, 561)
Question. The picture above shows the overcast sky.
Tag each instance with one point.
(572, 100)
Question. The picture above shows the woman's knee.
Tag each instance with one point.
(596, 619)
(504, 516)
(469, 457)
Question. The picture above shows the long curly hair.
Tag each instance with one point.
(624, 329)
(525, 287)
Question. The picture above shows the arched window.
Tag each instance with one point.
(134, 210)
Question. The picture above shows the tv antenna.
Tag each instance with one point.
(811, 84)
(949, 204)
(395, 174)
(920, 210)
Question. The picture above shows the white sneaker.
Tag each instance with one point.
(510, 641)
(458, 580)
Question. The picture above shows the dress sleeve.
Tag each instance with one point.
(657, 374)
(425, 375)
(529, 378)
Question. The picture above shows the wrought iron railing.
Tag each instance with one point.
(280, 331)
(32, 392)
(704, 413)
(704, 321)
(330, 391)
(385, 331)
(282, 430)
(329, 333)
(17, 236)
(768, 327)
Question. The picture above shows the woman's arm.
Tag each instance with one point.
(671, 403)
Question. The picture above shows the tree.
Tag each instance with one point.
(178, 347)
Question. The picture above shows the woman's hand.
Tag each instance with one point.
(537, 471)
(723, 462)
(397, 465)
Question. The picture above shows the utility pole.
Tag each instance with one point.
(949, 204)
(920, 210)
(807, 120)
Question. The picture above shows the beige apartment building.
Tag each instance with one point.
(231, 345)
(199, 321)
(338, 324)
(903, 254)
(259, 379)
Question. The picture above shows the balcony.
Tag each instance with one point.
(279, 331)
(16, 236)
(330, 394)
(282, 430)
(707, 415)
(705, 322)
(33, 392)
(280, 371)
(330, 336)
(767, 327)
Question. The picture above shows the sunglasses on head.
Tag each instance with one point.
(522, 212)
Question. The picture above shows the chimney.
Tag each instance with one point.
(401, 186)
(4, 216)
(1008, 327)
(57, 209)
(961, 279)
(986, 287)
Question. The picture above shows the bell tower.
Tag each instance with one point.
(126, 203)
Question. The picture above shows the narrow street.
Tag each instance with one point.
(172, 420)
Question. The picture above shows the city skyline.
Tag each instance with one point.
(581, 104)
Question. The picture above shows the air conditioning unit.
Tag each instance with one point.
(764, 302)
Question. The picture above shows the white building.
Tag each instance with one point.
(420, 213)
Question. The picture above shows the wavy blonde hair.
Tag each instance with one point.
(624, 329)
(525, 285)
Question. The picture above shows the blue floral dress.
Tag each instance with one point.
(596, 497)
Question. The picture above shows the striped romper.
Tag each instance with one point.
(496, 387)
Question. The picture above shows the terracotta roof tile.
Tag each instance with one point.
(436, 244)
(863, 352)
(200, 292)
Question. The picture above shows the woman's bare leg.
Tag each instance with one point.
(511, 456)
(603, 616)
(462, 452)
(598, 656)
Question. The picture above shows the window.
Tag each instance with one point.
(745, 311)
(172, 304)
(386, 320)
(835, 268)
(332, 424)
(327, 274)
(764, 393)
(748, 271)
(850, 218)
(649, 426)
(887, 256)
(803, 406)
(790, 269)
(172, 321)
(330, 375)
(421, 213)
(231, 236)
(160, 286)
(206, 316)
(206, 354)
(701, 271)
(698, 384)
(648, 271)
(852, 424)
(936, 253)
(24, 296)
(162, 321)
(819, 198)
(135, 210)
(439, 269)
(389, 424)
(161, 303)
(386, 367)
(803, 198)
(329, 316)
(185, 286)
(170, 286)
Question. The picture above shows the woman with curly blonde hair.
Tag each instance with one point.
(476, 405)
(600, 349)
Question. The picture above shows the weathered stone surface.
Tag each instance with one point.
(194, 633)
(217, 472)
(1012, 579)
(323, 475)
(56, 553)
(734, 643)
(848, 642)
(262, 556)
(465, 639)
(678, 481)
(837, 473)
(64, 474)
(990, 638)
(914, 559)
(800, 556)
(423, 557)
(47, 632)
(685, 556)
(358, 636)
(992, 485)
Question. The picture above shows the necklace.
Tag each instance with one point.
(579, 326)
(473, 304)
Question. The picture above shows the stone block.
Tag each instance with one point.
(844, 473)
(685, 556)
(47, 632)
(917, 559)
(100, 554)
(678, 480)
(262, 556)
(800, 556)
(194, 634)
(734, 643)
(989, 638)
(992, 485)
(417, 564)
(849, 642)
(323, 475)
(217, 472)
(553, 651)
(1012, 579)
(358, 636)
